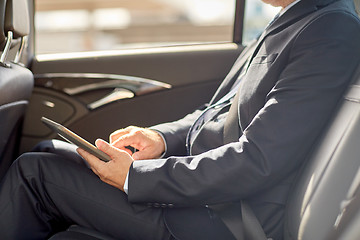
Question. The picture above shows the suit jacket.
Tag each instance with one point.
(299, 70)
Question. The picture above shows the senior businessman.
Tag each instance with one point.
(246, 145)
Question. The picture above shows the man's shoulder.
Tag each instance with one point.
(337, 6)
(336, 19)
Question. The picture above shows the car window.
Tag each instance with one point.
(257, 16)
(90, 25)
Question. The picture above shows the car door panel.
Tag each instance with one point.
(172, 65)
(66, 88)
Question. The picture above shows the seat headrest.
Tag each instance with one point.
(2, 24)
(14, 17)
(17, 18)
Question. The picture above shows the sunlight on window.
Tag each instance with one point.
(62, 20)
(205, 12)
(257, 16)
(115, 18)
(107, 24)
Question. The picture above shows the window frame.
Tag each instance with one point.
(238, 27)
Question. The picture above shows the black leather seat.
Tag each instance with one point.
(16, 81)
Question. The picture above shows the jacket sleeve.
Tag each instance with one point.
(321, 63)
(175, 133)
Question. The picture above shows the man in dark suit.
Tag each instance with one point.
(247, 144)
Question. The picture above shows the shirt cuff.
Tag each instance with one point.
(126, 184)
(164, 141)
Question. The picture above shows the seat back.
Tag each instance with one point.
(331, 174)
(16, 81)
(348, 220)
(324, 183)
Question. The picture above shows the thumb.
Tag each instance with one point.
(107, 148)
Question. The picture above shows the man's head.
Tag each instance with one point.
(279, 3)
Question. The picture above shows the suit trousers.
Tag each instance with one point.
(46, 192)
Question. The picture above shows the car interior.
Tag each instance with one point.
(94, 94)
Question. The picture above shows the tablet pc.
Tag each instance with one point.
(75, 139)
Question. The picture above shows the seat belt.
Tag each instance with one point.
(251, 228)
(245, 228)
(229, 215)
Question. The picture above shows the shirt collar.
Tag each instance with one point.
(288, 7)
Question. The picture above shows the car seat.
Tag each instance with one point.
(329, 183)
(16, 81)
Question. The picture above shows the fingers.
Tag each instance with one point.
(144, 154)
(135, 139)
(98, 167)
(148, 142)
(119, 133)
(115, 135)
(107, 148)
(124, 141)
(130, 136)
(113, 172)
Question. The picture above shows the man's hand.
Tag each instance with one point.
(113, 172)
(148, 142)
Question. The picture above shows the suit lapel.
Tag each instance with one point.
(231, 77)
(297, 12)
(301, 9)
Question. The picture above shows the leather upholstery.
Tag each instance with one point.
(17, 18)
(16, 83)
(80, 233)
(2, 23)
(325, 182)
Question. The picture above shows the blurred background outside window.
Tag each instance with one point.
(93, 25)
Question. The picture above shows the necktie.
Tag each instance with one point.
(211, 111)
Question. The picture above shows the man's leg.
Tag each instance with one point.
(60, 147)
(43, 193)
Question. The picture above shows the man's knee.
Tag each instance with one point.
(25, 166)
(61, 148)
(31, 164)
(47, 146)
